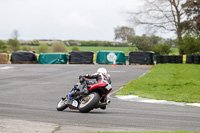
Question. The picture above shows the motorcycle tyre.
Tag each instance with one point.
(62, 106)
(92, 103)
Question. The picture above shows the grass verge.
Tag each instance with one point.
(95, 49)
(148, 132)
(172, 82)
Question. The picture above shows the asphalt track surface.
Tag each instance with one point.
(31, 92)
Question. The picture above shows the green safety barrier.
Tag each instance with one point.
(107, 57)
(52, 58)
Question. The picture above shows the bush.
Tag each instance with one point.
(59, 47)
(161, 49)
(27, 48)
(190, 43)
(75, 48)
(43, 48)
(144, 42)
(3, 46)
(14, 44)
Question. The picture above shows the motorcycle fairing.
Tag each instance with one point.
(102, 84)
(106, 94)
(72, 104)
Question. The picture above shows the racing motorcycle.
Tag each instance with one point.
(96, 97)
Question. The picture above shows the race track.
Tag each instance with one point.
(30, 92)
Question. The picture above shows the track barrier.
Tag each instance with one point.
(52, 58)
(103, 57)
(107, 57)
(23, 58)
(3, 58)
(140, 57)
(81, 57)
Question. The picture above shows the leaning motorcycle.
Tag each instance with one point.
(96, 96)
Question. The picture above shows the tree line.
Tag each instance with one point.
(179, 16)
(143, 43)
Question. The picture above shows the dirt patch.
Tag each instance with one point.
(23, 126)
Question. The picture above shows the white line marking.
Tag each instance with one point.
(109, 95)
(3, 68)
(116, 71)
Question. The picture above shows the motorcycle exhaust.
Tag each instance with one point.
(103, 104)
(108, 101)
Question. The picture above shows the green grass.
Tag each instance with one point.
(172, 82)
(148, 132)
(174, 51)
(126, 50)
(95, 49)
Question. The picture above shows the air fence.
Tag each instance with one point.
(102, 57)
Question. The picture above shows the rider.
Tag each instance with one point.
(100, 76)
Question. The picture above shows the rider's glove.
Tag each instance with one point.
(81, 79)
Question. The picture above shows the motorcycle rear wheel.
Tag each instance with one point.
(61, 105)
(89, 102)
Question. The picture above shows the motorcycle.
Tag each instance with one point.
(96, 97)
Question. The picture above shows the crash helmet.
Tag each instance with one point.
(102, 70)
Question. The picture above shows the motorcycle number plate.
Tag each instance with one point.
(75, 103)
(108, 87)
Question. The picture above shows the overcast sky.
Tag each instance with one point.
(64, 19)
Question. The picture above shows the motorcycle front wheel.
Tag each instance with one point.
(89, 102)
(61, 105)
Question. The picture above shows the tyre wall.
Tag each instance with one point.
(193, 59)
(141, 58)
(23, 58)
(81, 57)
(178, 59)
(190, 59)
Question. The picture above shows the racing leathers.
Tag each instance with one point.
(99, 77)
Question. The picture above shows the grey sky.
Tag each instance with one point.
(64, 19)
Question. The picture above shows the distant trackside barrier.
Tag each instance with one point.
(141, 57)
(23, 58)
(81, 57)
(108, 57)
(3, 58)
(52, 58)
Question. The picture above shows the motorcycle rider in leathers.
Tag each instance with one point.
(100, 76)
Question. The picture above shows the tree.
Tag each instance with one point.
(14, 44)
(15, 34)
(192, 10)
(124, 33)
(191, 43)
(162, 16)
(144, 42)
(171, 42)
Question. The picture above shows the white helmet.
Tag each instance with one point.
(102, 70)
